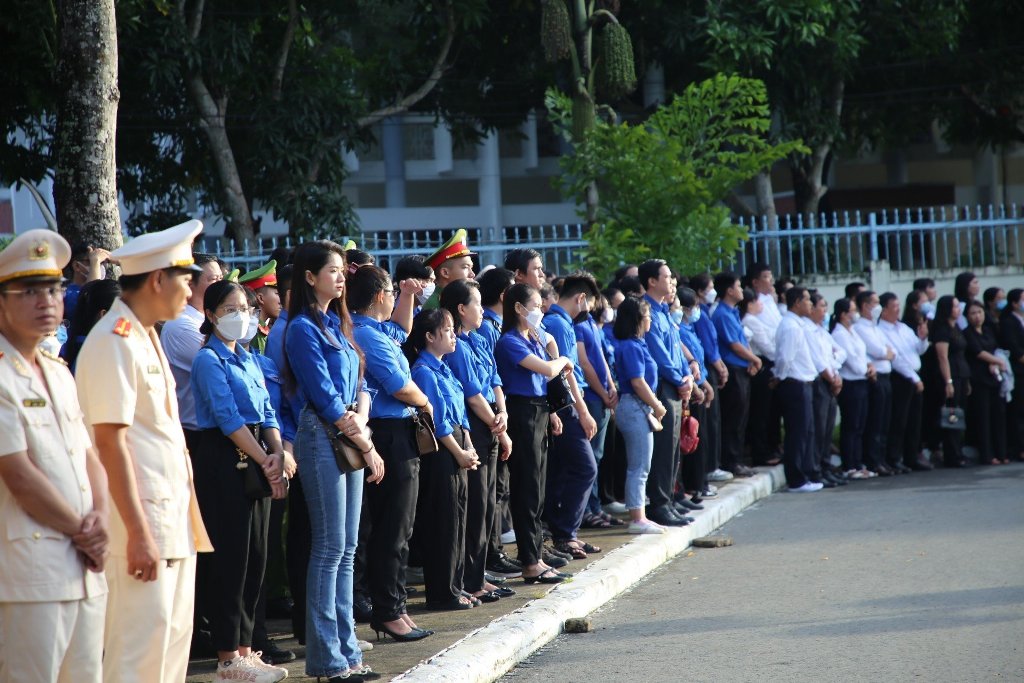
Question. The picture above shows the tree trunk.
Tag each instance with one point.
(764, 195)
(85, 182)
(809, 172)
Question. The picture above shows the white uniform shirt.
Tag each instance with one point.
(39, 563)
(123, 378)
(793, 359)
(182, 340)
(833, 354)
(908, 346)
(761, 337)
(771, 317)
(876, 345)
(855, 366)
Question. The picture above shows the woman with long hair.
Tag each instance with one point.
(94, 300)
(324, 368)
(524, 372)
(856, 372)
(949, 375)
(986, 409)
(966, 289)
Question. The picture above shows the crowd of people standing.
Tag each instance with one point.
(420, 422)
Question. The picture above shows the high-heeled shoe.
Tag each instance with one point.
(414, 634)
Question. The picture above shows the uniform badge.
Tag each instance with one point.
(34, 403)
(122, 327)
(153, 369)
(39, 251)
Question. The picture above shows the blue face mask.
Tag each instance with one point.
(1001, 304)
(677, 316)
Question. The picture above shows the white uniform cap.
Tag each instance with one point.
(170, 248)
(36, 254)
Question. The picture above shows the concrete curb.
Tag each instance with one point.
(487, 653)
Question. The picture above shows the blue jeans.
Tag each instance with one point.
(602, 416)
(631, 419)
(334, 501)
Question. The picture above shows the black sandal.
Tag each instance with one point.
(547, 576)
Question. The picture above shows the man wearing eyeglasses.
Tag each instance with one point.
(53, 489)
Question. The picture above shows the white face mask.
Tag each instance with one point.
(694, 315)
(855, 316)
(233, 326)
(709, 296)
(50, 345)
(103, 272)
(928, 309)
(428, 291)
(250, 332)
(608, 315)
(534, 317)
(876, 312)
(677, 316)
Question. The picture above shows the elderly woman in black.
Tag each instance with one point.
(948, 378)
(986, 410)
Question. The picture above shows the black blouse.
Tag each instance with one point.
(950, 334)
(978, 342)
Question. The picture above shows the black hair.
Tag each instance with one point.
(493, 285)
(284, 281)
(782, 284)
(202, 259)
(428, 320)
(1013, 298)
(556, 285)
(853, 289)
(686, 297)
(816, 296)
(700, 281)
(755, 270)
(975, 304)
(793, 295)
(840, 307)
(457, 293)
(283, 256)
(863, 297)
(95, 296)
(629, 318)
(886, 298)
(749, 297)
(621, 271)
(961, 284)
(944, 309)
(414, 267)
(630, 286)
(610, 292)
(580, 282)
(912, 315)
(724, 282)
(518, 260)
(923, 283)
(518, 293)
(363, 286)
(648, 270)
(214, 297)
(356, 258)
(600, 306)
(990, 295)
(546, 291)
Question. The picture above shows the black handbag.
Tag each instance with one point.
(559, 394)
(254, 481)
(951, 417)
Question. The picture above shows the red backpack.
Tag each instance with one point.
(688, 433)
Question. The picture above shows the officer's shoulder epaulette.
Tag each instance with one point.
(123, 327)
(52, 356)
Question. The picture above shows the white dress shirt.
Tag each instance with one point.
(876, 345)
(761, 337)
(856, 365)
(770, 314)
(833, 354)
(181, 340)
(793, 358)
(908, 347)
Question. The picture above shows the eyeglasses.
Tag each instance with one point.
(52, 291)
(229, 310)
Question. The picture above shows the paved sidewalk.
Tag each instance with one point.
(483, 643)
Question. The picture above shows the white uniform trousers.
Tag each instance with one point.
(52, 642)
(149, 624)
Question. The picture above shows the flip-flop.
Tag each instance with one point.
(614, 521)
(592, 521)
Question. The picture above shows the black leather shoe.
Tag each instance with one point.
(827, 483)
(901, 468)
(829, 476)
(922, 465)
(362, 610)
(553, 561)
(882, 471)
(689, 504)
(666, 518)
(272, 654)
(503, 592)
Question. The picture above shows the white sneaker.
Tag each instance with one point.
(256, 658)
(808, 487)
(645, 527)
(711, 491)
(245, 669)
(365, 645)
(615, 508)
(719, 475)
(509, 536)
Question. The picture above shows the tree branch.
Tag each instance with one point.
(282, 55)
(599, 14)
(195, 22)
(436, 73)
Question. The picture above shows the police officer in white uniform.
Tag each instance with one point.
(53, 501)
(127, 391)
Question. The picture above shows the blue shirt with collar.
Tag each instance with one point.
(590, 336)
(229, 389)
(705, 329)
(516, 380)
(436, 380)
(325, 365)
(559, 325)
(688, 335)
(490, 329)
(663, 344)
(387, 369)
(473, 365)
(287, 407)
(608, 343)
(633, 359)
(730, 330)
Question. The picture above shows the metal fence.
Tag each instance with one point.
(839, 243)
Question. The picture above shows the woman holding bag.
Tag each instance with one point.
(950, 376)
(237, 467)
(323, 367)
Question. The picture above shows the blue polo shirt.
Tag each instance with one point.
(590, 336)
(633, 359)
(473, 365)
(705, 329)
(688, 335)
(435, 379)
(663, 343)
(490, 329)
(516, 380)
(229, 389)
(325, 365)
(608, 343)
(559, 325)
(288, 407)
(730, 330)
(387, 369)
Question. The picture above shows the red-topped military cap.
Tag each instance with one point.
(453, 248)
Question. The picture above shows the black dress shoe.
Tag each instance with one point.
(553, 560)
(922, 465)
(827, 483)
(882, 470)
(830, 476)
(665, 517)
(503, 592)
(495, 580)
(362, 610)
(903, 468)
(689, 504)
(272, 654)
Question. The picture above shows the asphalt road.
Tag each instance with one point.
(918, 577)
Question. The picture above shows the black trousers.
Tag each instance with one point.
(298, 545)
(1015, 414)
(360, 582)
(661, 480)
(986, 422)
(762, 401)
(528, 422)
(275, 562)
(952, 439)
(853, 408)
(904, 443)
(694, 470)
(876, 431)
(443, 489)
(611, 471)
(711, 427)
(824, 424)
(502, 516)
(481, 489)
(392, 507)
(735, 408)
(229, 578)
(799, 444)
